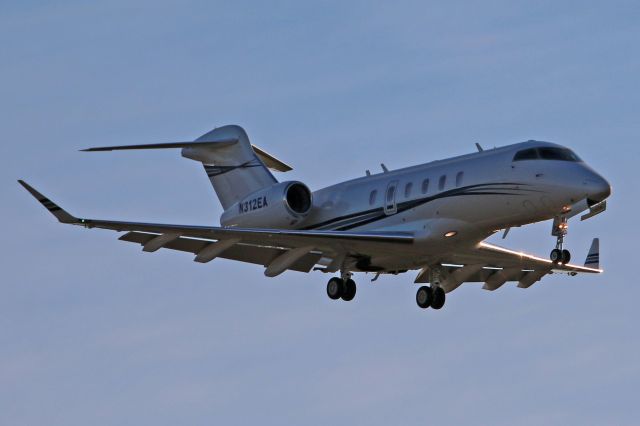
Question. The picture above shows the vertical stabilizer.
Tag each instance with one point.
(235, 170)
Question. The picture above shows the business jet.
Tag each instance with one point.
(433, 217)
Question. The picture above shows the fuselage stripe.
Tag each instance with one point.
(360, 219)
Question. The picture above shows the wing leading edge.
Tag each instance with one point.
(494, 266)
(511, 257)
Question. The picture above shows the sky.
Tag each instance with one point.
(93, 331)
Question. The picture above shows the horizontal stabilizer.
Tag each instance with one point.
(269, 160)
(219, 143)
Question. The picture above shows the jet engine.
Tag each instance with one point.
(284, 205)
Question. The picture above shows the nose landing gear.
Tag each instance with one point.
(560, 256)
(559, 230)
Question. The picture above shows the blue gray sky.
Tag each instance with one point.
(92, 331)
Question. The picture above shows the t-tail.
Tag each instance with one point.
(234, 166)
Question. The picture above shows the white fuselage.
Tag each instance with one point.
(470, 196)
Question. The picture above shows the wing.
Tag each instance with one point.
(496, 265)
(276, 249)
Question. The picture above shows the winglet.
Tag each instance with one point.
(593, 258)
(56, 210)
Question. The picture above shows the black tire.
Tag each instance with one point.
(566, 257)
(335, 288)
(349, 290)
(439, 298)
(556, 255)
(424, 296)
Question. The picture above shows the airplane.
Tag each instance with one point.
(433, 217)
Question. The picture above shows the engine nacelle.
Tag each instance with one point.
(283, 205)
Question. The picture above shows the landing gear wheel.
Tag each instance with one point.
(556, 255)
(349, 290)
(424, 297)
(565, 257)
(335, 288)
(438, 298)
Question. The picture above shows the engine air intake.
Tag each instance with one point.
(298, 198)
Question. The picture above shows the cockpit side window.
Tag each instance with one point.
(561, 154)
(526, 154)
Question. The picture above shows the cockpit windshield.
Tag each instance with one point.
(546, 153)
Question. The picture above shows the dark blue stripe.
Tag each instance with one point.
(406, 205)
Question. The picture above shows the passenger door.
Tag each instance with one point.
(390, 206)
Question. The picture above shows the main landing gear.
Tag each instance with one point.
(559, 230)
(430, 297)
(341, 288)
(345, 288)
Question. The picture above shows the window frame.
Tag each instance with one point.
(459, 178)
(522, 152)
(558, 154)
(425, 186)
(549, 153)
(373, 195)
(442, 182)
(408, 187)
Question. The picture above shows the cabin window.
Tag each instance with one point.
(407, 190)
(425, 186)
(442, 182)
(459, 177)
(372, 197)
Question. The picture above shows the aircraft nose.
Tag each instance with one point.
(598, 188)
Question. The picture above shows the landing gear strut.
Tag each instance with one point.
(560, 229)
(341, 288)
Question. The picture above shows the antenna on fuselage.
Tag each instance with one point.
(368, 172)
(479, 147)
(384, 168)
